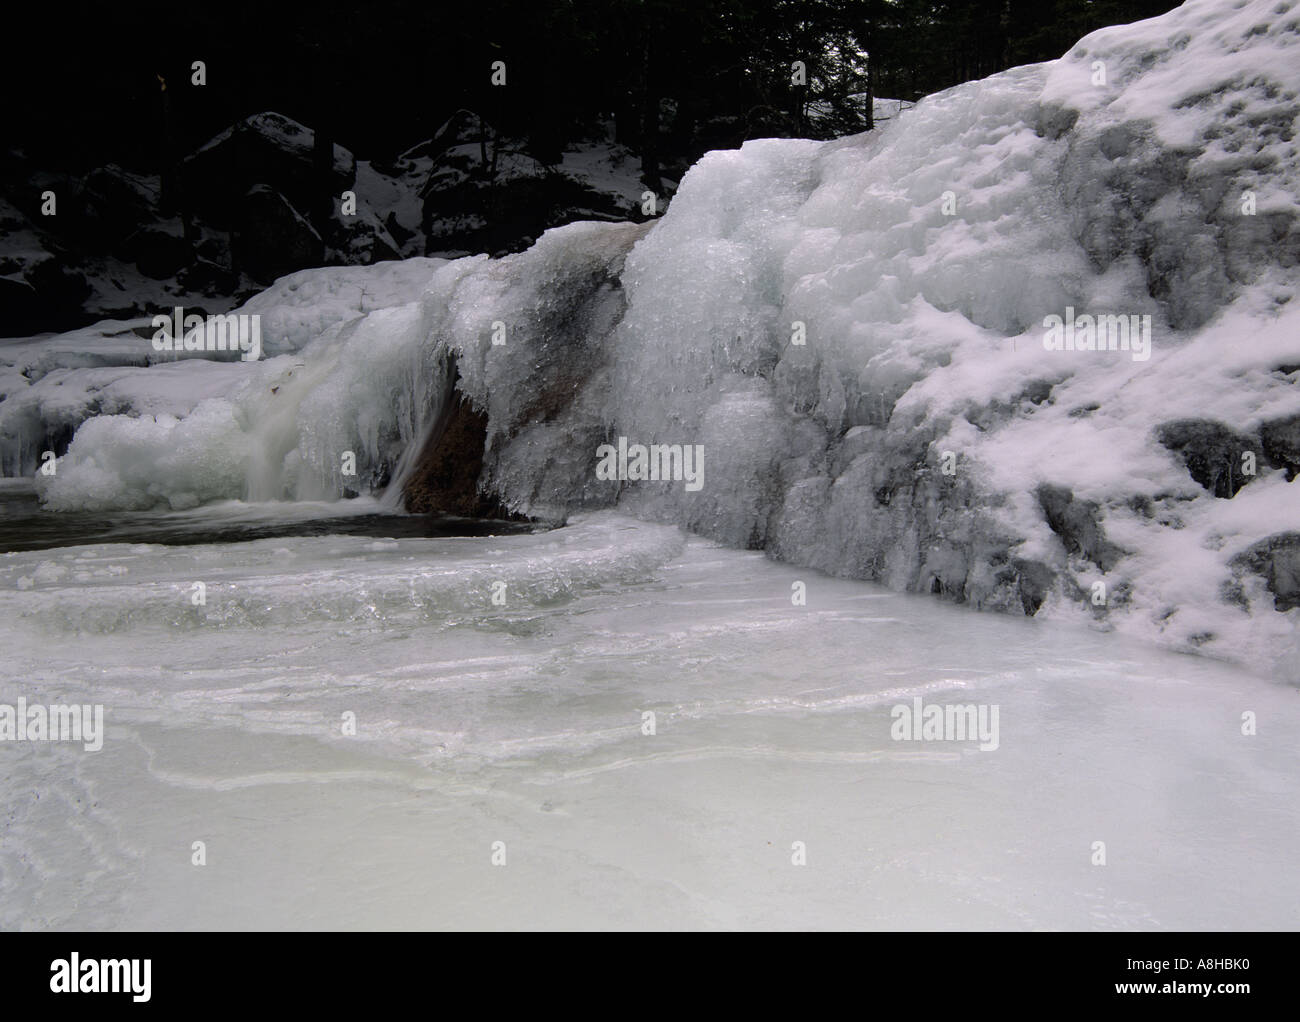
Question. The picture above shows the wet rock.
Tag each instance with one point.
(1033, 582)
(446, 476)
(1281, 441)
(1211, 451)
(1276, 559)
(1077, 523)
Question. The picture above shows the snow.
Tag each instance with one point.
(922, 260)
(284, 134)
(523, 723)
(302, 306)
(399, 196)
(51, 385)
(823, 112)
(610, 170)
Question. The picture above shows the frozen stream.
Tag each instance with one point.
(522, 723)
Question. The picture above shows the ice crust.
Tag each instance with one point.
(921, 260)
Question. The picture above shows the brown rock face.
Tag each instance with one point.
(564, 332)
(445, 478)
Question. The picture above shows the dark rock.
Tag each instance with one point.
(446, 475)
(1115, 142)
(945, 571)
(1033, 582)
(266, 148)
(1281, 441)
(1052, 120)
(59, 291)
(363, 240)
(20, 309)
(996, 412)
(1252, 242)
(114, 203)
(1211, 451)
(273, 238)
(396, 231)
(208, 278)
(503, 205)
(159, 251)
(1277, 560)
(215, 248)
(1035, 392)
(462, 127)
(1077, 522)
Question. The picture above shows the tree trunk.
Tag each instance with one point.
(871, 94)
(172, 195)
(650, 120)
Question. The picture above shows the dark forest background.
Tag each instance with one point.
(379, 77)
(394, 104)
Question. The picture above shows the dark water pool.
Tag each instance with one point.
(25, 525)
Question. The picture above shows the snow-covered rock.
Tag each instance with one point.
(269, 149)
(272, 238)
(49, 385)
(862, 336)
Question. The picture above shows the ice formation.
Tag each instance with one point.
(854, 333)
